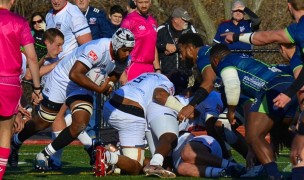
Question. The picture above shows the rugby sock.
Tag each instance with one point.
(272, 169)
(56, 157)
(157, 159)
(112, 158)
(298, 173)
(28, 131)
(226, 163)
(4, 154)
(16, 142)
(85, 139)
(212, 172)
(64, 139)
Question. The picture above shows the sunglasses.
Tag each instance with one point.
(39, 21)
(238, 10)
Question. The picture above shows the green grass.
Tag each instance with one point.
(76, 166)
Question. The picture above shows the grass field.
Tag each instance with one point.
(76, 166)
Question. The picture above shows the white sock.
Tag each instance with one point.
(112, 158)
(85, 139)
(56, 157)
(157, 159)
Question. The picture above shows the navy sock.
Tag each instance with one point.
(298, 173)
(272, 169)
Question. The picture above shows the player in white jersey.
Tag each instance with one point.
(201, 156)
(71, 22)
(69, 84)
(126, 112)
(165, 128)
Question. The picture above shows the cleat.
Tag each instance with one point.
(236, 171)
(100, 166)
(91, 154)
(14, 157)
(52, 166)
(41, 162)
(154, 170)
(224, 173)
(254, 171)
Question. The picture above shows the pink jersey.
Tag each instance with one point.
(14, 32)
(145, 32)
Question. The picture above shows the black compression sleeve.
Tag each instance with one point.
(296, 85)
(199, 95)
(256, 21)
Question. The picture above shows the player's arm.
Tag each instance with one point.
(255, 19)
(156, 63)
(259, 38)
(232, 90)
(78, 75)
(162, 97)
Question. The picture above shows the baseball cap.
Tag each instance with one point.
(238, 5)
(181, 13)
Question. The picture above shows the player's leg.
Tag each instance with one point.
(131, 126)
(165, 128)
(81, 108)
(257, 127)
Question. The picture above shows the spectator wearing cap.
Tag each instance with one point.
(238, 24)
(167, 37)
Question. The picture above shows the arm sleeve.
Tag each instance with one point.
(232, 85)
(255, 20)
(161, 43)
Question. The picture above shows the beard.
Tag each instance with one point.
(189, 63)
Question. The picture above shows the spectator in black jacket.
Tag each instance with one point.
(167, 38)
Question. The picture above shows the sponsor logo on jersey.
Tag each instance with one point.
(92, 55)
(242, 29)
(58, 26)
(142, 28)
(254, 81)
(92, 20)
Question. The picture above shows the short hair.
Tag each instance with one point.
(219, 50)
(297, 4)
(36, 14)
(191, 38)
(117, 9)
(51, 34)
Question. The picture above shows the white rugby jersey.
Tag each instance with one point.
(95, 53)
(141, 88)
(71, 22)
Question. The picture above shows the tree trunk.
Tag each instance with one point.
(205, 20)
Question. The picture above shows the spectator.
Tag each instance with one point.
(38, 27)
(71, 22)
(96, 19)
(144, 57)
(14, 32)
(167, 38)
(115, 18)
(131, 6)
(238, 24)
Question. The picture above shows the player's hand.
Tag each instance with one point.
(231, 117)
(297, 151)
(281, 100)
(18, 123)
(228, 37)
(123, 78)
(104, 87)
(186, 112)
(26, 115)
(36, 97)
